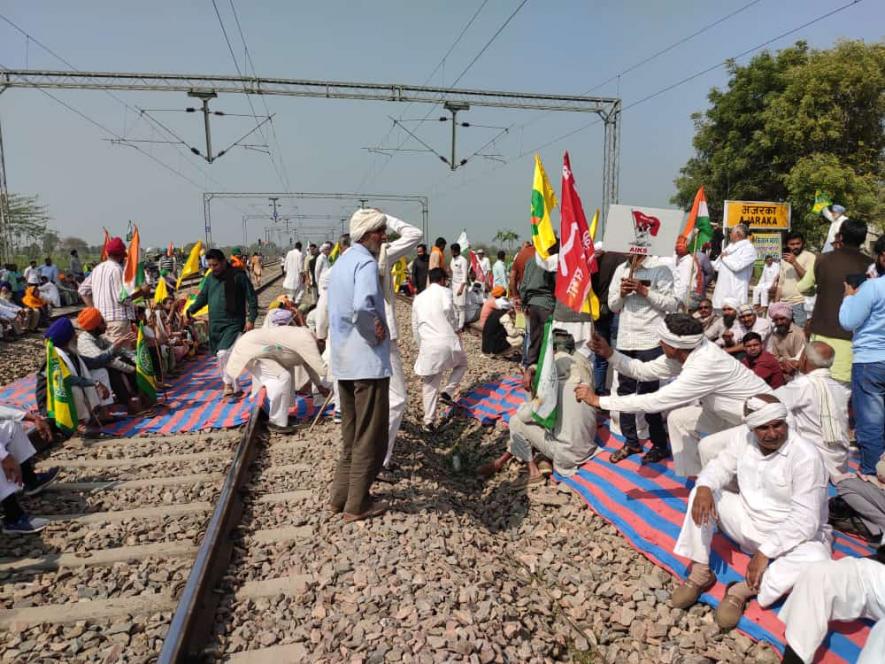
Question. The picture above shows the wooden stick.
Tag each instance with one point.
(320, 413)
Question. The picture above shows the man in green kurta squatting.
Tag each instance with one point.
(233, 309)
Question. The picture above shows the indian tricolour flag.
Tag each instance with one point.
(543, 201)
(133, 268)
(545, 405)
(699, 218)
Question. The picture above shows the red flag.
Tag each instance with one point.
(646, 222)
(478, 274)
(104, 246)
(577, 259)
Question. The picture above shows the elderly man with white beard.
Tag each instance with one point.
(779, 516)
(705, 396)
(734, 267)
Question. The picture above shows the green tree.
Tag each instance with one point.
(508, 237)
(28, 218)
(791, 123)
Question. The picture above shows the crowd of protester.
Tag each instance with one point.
(757, 393)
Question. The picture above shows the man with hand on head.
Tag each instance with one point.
(359, 342)
(779, 516)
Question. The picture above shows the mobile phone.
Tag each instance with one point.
(855, 280)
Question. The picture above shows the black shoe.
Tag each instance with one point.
(278, 429)
(387, 476)
(393, 466)
(654, 455)
(853, 526)
(41, 481)
(428, 428)
(623, 453)
(790, 657)
(446, 398)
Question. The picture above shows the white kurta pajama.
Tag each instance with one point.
(710, 376)
(293, 266)
(572, 441)
(322, 308)
(439, 348)
(734, 268)
(760, 291)
(391, 252)
(844, 589)
(460, 276)
(271, 355)
(781, 510)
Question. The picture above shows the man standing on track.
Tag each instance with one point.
(391, 252)
(229, 294)
(460, 271)
(360, 350)
(292, 267)
(102, 289)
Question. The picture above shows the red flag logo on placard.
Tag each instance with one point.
(646, 223)
(577, 259)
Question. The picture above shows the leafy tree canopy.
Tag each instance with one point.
(789, 124)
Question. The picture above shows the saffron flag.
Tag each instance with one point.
(698, 218)
(131, 266)
(545, 404)
(59, 397)
(104, 246)
(821, 200)
(577, 259)
(144, 367)
(161, 292)
(543, 201)
(192, 265)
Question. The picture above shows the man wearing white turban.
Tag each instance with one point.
(359, 339)
(293, 265)
(700, 372)
(734, 267)
(779, 517)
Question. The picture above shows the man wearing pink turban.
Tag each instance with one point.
(787, 340)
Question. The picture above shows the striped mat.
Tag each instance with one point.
(194, 404)
(647, 505)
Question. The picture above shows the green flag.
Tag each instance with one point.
(144, 367)
(59, 397)
(821, 200)
(545, 405)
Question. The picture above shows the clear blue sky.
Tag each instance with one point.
(565, 47)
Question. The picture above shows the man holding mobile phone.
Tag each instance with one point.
(796, 262)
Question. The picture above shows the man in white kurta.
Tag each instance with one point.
(770, 273)
(439, 347)
(818, 412)
(734, 267)
(835, 214)
(705, 396)
(323, 265)
(779, 516)
(293, 266)
(271, 355)
(845, 589)
(460, 271)
(391, 252)
(485, 265)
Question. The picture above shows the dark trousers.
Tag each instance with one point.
(607, 328)
(364, 413)
(12, 509)
(627, 386)
(120, 385)
(535, 318)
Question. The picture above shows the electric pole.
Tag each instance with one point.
(205, 96)
(5, 234)
(273, 200)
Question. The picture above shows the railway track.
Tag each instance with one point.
(102, 583)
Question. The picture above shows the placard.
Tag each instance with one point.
(757, 214)
(767, 244)
(638, 233)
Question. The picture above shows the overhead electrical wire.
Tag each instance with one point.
(245, 92)
(117, 98)
(667, 88)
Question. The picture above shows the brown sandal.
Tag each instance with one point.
(623, 453)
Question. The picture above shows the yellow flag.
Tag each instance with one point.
(399, 273)
(543, 201)
(336, 250)
(161, 292)
(197, 314)
(192, 266)
(591, 306)
(59, 400)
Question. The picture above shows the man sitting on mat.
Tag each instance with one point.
(779, 515)
(108, 361)
(572, 440)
